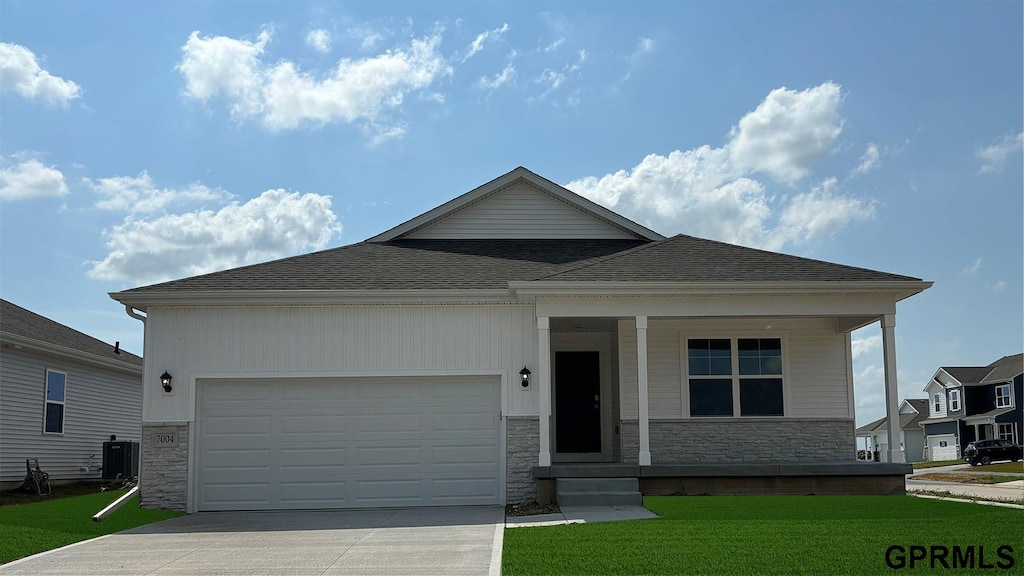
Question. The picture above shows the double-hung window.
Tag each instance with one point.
(1003, 398)
(954, 400)
(937, 403)
(1005, 432)
(56, 390)
(735, 376)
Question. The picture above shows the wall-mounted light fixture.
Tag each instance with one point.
(525, 375)
(165, 381)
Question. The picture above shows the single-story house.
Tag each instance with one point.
(513, 336)
(968, 403)
(62, 394)
(912, 411)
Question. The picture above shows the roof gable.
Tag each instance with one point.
(519, 204)
(16, 321)
(1006, 368)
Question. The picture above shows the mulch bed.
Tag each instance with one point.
(531, 509)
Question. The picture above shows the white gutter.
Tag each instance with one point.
(141, 300)
(129, 310)
(901, 288)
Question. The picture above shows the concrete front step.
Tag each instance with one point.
(600, 499)
(598, 485)
(598, 492)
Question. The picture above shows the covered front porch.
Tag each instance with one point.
(708, 394)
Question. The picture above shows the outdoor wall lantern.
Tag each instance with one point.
(525, 375)
(165, 381)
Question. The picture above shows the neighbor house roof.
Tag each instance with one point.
(967, 374)
(907, 421)
(1006, 368)
(24, 327)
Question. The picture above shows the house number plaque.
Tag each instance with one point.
(165, 438)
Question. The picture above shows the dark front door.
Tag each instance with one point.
(577, 402)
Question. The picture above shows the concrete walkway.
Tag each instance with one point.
(422, 541)
(1006, 491)
(581, 515)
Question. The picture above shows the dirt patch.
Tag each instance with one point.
(963, 478)
(531, 509)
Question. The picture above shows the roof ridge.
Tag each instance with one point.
(600, 259)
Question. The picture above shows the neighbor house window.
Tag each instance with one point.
(1005, 432)
(954, 400)
(937, 400)
(53, 415)
(1003, 399)
(735, 376)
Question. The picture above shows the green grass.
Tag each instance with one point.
(41, 526)
(919, 465)
(763, 535)
(1017, 467)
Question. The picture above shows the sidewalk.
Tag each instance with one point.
(1005, 491)
(581, 515)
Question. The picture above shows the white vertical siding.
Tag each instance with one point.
(520, 211)
(817, 382)
(243, 340)
(98, 403)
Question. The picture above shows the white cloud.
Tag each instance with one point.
(286, 97)
(275, 224)
(319, 40)
(554, 45)
(973, 268)
(999, 286)
(553, 79)
(643, 46)
(788, 131)
(711, 192)
(20, 72)
(869, 160)
(368, 38)
(993, 155)
(139, 194)
(865, 345)
(820, 213)
(29, 178)
(478, 43)
(499, 79)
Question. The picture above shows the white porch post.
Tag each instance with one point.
(641, 388)
(544, 388)
(892, 393)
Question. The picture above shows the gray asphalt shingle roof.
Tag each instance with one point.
(684, 258)
(907, 421)
(406, 265)
(967, 374)
(492, 264)
(1006, 368)
(18, 321)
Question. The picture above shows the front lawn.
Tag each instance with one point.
(937, 463)
(766, 535)
(41, 526)
(967, 478)
(1017, 467)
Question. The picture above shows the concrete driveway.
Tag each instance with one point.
(457, 540)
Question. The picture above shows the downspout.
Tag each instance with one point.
(131, 312)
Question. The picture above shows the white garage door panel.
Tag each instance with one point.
(939, 452)
(348, 443)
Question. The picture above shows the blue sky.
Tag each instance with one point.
(146, 141)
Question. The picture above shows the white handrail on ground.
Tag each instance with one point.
(115, 504)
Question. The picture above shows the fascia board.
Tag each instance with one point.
(309, 297)
(31, 344)
(899, 288)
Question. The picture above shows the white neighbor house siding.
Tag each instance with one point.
(816, 383)
(235, 341)
(98, 403)
(519, 212)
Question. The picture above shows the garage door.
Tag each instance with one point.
(348, 443)
(942, 447)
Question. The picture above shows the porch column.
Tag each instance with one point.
(892, 393)
(641, 390)
(544, 388)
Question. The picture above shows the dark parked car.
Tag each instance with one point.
(988, 451)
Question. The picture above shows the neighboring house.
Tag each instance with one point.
(912, 412)
(968, 403)
(62, 394)
(512, 336)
